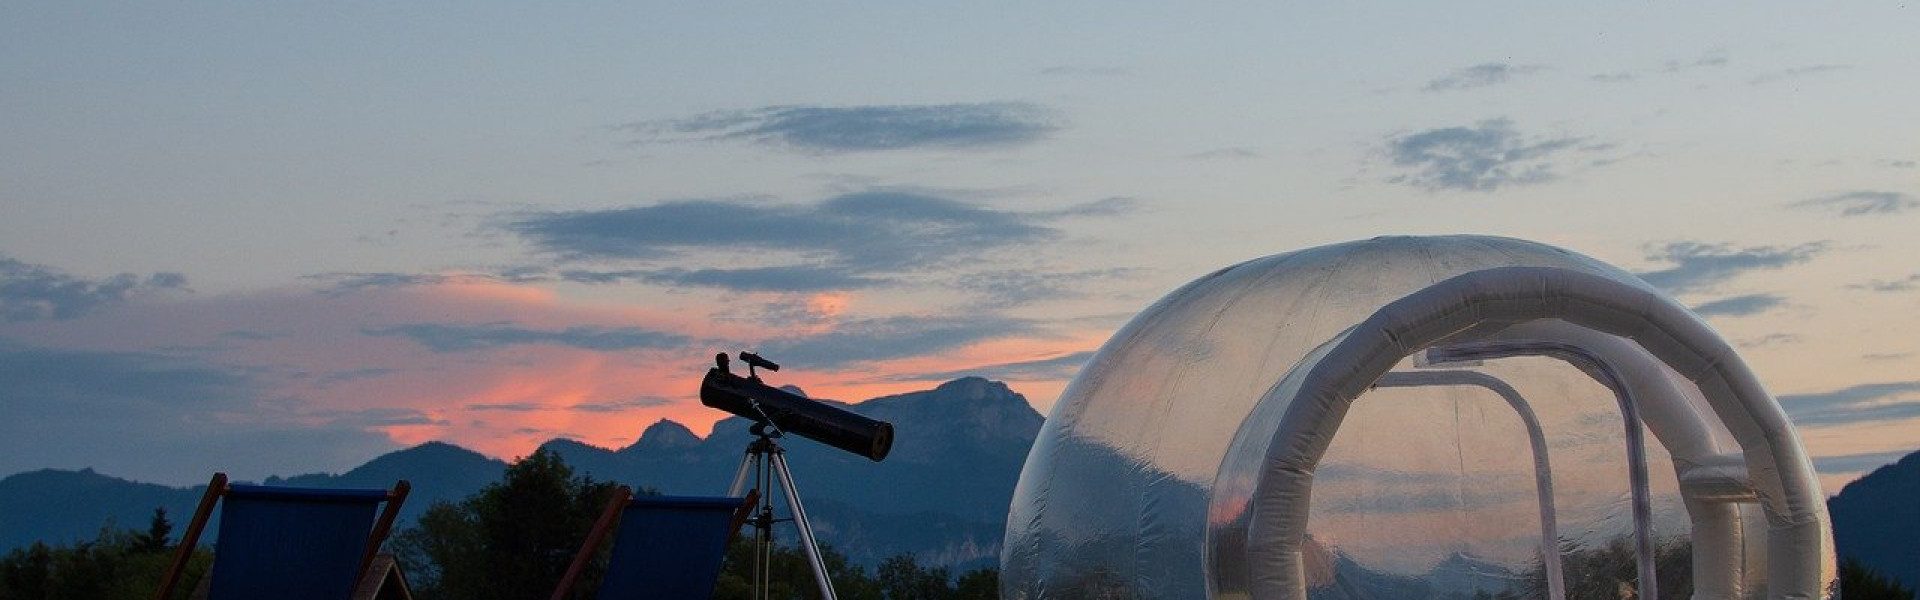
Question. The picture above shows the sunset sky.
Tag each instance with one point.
(273, 238)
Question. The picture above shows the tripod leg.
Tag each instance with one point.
(763, 533)
(805, 526)
(739, 486)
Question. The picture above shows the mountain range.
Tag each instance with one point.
(942, 494)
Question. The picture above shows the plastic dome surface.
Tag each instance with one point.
(1416, 417)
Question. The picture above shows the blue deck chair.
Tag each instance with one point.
(288, 543)
(665, 547)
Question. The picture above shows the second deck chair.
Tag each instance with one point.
(665, 547)
(287, 543)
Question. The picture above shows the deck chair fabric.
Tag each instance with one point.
(292, 543)
(669, 548)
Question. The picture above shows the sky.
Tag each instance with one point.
(286, 238)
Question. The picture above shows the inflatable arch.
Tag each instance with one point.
(1417, 417)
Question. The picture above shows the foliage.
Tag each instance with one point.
(117, 564)
(1860, 582)
(512, 540)
(899, 578)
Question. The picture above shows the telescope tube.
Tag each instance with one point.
(792, 413)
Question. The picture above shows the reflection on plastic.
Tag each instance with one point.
(1167, 468)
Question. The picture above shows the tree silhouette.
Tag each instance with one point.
(510, 541)
(158, 530)
(1860, 582)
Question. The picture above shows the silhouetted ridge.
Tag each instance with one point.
(1876, 519)
(942, 494)
(664, 434)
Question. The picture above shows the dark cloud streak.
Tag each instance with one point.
(1871, 402)
(1484, 157)
(864, 128)
(852, 241)
(1904, 284)
(1859, 203)
(1480, 75)
(1740, 306)
(30, 292)
(791, 278)
(441, 337)
(1698, 266)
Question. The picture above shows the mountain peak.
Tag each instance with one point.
(975, 388)
(665, 434)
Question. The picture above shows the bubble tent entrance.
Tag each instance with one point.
(1417, 417)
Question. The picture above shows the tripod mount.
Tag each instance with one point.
(766, 463)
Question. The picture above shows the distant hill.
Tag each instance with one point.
(942, 494)
(1876, 519)
(66, 506)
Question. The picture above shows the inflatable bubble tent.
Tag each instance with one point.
(1417, 417)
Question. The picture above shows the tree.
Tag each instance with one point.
(158, 530)
(978, 584)
(117, 564)
(902, 578)
(1860, 582)
(512, 540)
(790, 577)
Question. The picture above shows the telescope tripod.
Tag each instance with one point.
(766, 461)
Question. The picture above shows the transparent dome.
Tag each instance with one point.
(1416, 417)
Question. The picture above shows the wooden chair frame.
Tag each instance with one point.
(218, 487)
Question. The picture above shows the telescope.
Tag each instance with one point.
(787, 412)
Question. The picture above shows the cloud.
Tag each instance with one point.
(30, 292)
(1765, 78)
(1770, 339)
(884, 338)
(348, 282)
(789, 278)
(1870, 402)
(1904, 284)
(1480, 75)
(380, 417)
(508, 406)
(1698, 266)
(1740, 306)
(844, 242)
(1234, 153)
(1893, 163)
(1886, 355)
(1482, 158)
(1857, 463)
(621, 405)
(1010, 288)
(1712, 60)
(441, 337)
(1104, 207)
(1614, 77)
(1060, 367)
(161, 418)
(353, 375)
(1862, 202)
(864, 128)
